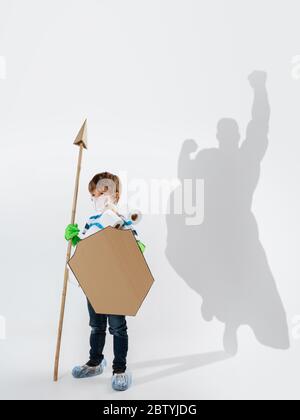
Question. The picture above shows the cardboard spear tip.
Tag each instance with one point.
(82, 136)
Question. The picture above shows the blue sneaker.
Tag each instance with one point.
(121, 381)
(86, 371)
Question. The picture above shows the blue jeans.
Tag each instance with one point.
(118, 328)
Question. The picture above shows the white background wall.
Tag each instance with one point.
(148, 75)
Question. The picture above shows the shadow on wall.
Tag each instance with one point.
(222, 259)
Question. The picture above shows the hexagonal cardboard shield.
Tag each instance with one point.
(112, 271)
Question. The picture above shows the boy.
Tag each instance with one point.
(105, 193)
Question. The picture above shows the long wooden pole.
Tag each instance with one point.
(66, 275)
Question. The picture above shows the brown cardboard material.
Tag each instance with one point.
(112, 271)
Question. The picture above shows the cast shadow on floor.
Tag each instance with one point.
(177, 365)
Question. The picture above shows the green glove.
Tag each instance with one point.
(142, 246)
(71, 234)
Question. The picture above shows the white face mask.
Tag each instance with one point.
(100, 203)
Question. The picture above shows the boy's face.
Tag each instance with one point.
(98, 192)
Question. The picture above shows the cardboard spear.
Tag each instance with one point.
(81, 141)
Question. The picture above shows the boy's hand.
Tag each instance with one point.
(141, 246)
(71, 234)
(71, 231)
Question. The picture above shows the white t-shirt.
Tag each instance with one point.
(109, 217)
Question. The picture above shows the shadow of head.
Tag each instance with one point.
(228, 134)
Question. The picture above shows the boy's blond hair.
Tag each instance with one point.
(110, 181)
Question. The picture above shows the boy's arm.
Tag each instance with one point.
(82, 234)
(129, 225)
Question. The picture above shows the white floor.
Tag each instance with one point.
(159, 371)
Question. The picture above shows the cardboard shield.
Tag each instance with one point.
(112, 271)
